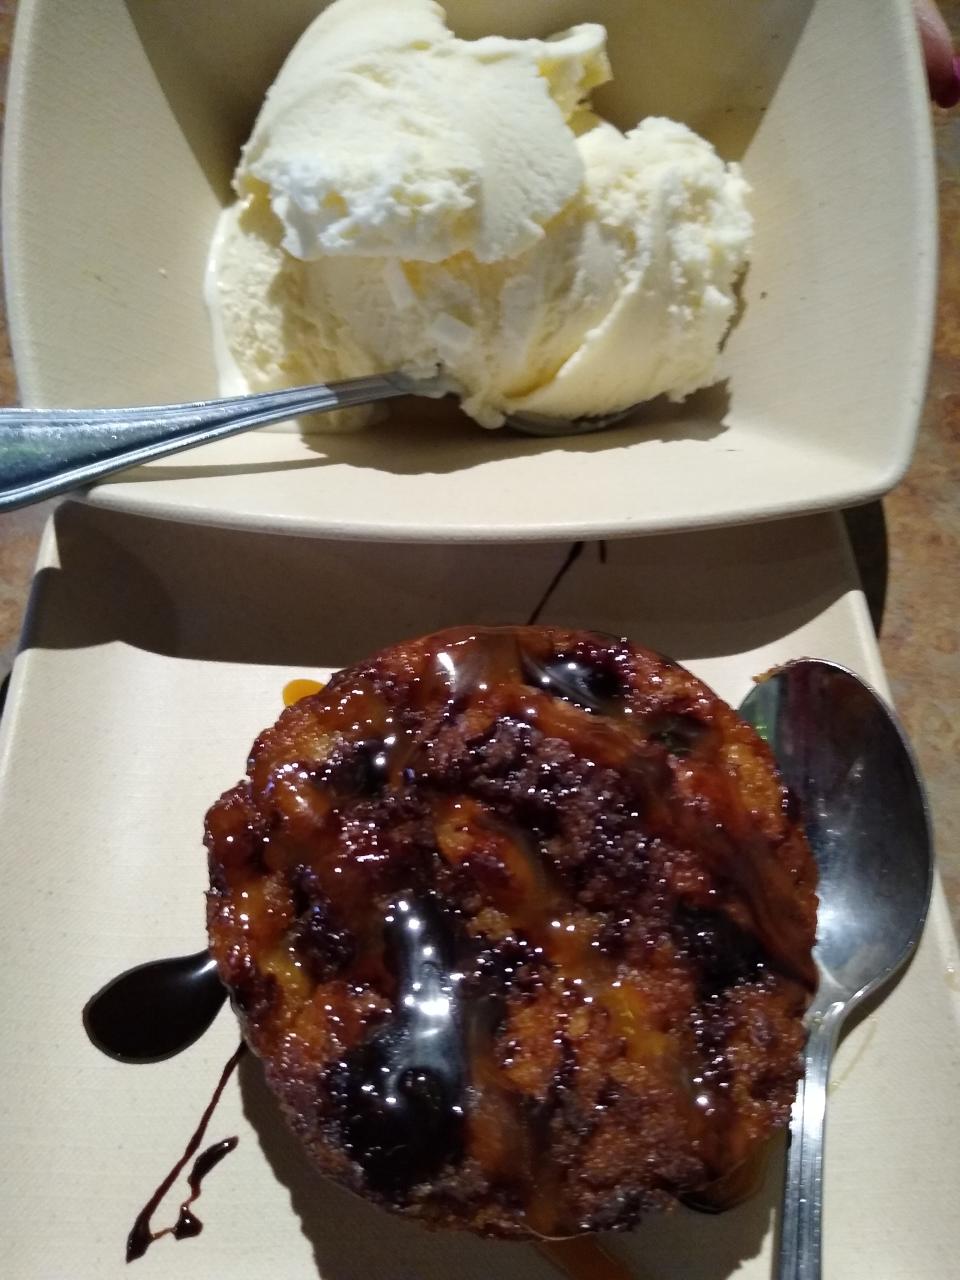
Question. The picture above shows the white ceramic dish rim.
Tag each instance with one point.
(150, 500)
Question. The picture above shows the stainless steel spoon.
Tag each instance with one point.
(842, 752)
(44, 452)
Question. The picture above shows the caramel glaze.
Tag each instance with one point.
(614, 914)
(304, 687)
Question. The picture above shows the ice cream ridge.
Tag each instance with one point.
(409, 199)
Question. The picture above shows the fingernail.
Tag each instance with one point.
(949, 94)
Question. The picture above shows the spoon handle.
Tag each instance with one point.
(44, 452)
(801, 1233)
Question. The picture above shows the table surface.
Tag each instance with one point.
(908, 547)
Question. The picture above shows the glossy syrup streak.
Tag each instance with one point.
(401, 1091)
(155, 1010)
(141, 1235)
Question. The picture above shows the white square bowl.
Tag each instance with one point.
(126, 117)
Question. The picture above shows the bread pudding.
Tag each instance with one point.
(519, 921)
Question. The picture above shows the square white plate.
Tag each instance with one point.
(126, 118)
(152, 657)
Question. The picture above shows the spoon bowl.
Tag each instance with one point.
(844, 756)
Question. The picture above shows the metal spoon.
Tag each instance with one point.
(843, 753)
(44, 452)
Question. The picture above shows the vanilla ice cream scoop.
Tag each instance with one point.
(409, 199)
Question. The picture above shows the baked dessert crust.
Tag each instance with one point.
(520, 922)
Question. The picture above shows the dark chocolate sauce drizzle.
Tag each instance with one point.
(586, 685)
(401, 1091)
(155, 1010)
(141, 1235)
(188, 1224)
(572, 556)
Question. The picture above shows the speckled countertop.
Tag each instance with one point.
(908, 548)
